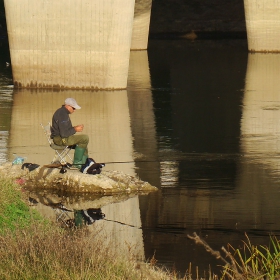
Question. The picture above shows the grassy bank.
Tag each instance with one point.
(14, 212)
(32, 248)
(43, 252)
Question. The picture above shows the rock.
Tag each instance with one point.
(73, 181)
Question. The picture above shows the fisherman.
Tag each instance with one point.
(63, 132)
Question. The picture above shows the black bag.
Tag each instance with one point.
(30, 166)
(91, 167)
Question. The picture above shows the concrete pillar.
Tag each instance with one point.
(70, 44)
(141, 24)
(263, 25)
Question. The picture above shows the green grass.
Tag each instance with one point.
(14, 212)
(31, 248)
(254, 262)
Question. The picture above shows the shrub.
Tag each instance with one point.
(250, 262)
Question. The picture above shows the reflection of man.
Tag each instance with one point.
(87, 217)
(64, 134)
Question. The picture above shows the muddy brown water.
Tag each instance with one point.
(199, 120)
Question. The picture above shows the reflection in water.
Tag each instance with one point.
(129, 238)
(142, 118)
(104, 114)
(198, 120)
(5, 119)
(225, 187)
(6, 100)
(169, 173)
(3, 144)
(258, 176)
(87, 216)
(121, 227)
(260, 130)
(218, 193)
(260, 126)
(106, 119)
(196, 107)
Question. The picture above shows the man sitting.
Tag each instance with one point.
(64, 134)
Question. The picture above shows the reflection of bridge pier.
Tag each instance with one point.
(260, 131)
(261, 113)
(260, 126)
(143, 129)
(105, 115)
(5, 108)
(142, 117)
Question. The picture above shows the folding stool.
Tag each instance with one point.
(61, 152)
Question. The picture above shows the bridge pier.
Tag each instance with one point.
(70, 44)
(263, 25)
(141, 24)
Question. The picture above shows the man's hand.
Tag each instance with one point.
(79, 128)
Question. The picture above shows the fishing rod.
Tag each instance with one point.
(111, 162)
(121, 223)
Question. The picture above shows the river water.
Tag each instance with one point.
(199, 120)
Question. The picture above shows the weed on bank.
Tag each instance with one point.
(251, 262)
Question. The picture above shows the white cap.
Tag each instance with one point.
(72, 102)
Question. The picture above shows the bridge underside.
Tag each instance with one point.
(86, 45)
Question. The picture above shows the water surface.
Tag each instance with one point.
(199, 120)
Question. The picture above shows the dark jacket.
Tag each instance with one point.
(61, 124)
